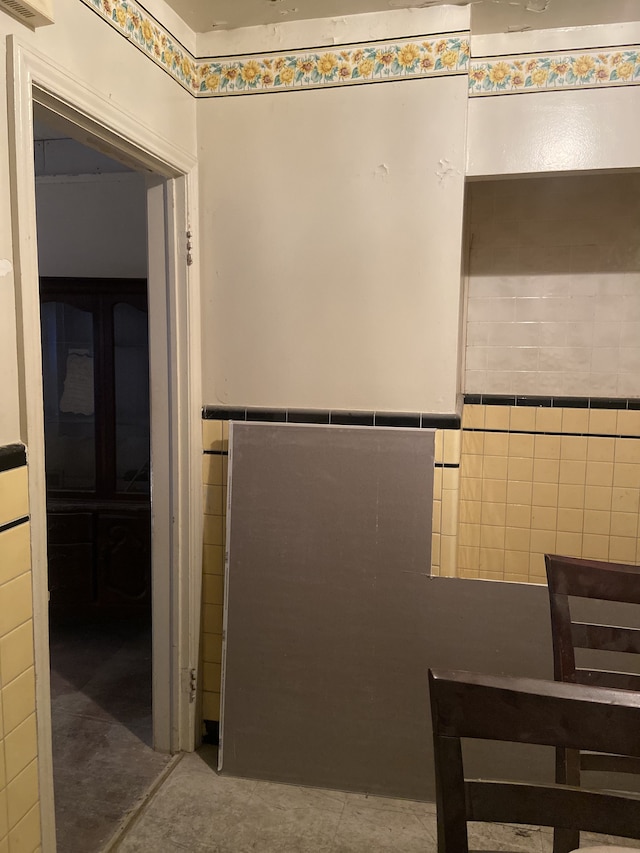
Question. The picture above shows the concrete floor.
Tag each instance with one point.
(103, 762)
(113, 793)
(196, 810)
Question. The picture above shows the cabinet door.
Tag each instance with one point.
(131, 398)
(95, 357)
(68, 358)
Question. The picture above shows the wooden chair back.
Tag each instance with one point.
(569, 577)
(523, 710)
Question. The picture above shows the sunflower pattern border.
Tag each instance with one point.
(576, 69)
(147, 34)
(363, 63)
(368, 62)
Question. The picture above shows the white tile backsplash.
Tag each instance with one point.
(605, 359)
(629, 334)
(554, 286)
(496, 310)
(629, 360)
(556, 334)
(600, 385)
(530, 309)
(607, 334)
(477, 334)
(627, 385)
(477, 358)
(514, 334)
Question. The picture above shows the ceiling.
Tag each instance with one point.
(487, 16)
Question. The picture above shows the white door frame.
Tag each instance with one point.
(175, 369)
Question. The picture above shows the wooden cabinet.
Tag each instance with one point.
(99, 557)
(70, 543)
(96, 407)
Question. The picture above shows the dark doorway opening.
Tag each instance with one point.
(95, 359)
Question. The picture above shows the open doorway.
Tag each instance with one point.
(92, 258)
(174, 352)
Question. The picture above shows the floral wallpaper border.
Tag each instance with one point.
(148, 35)
(576, 69)
(363, 63)
(370, 62)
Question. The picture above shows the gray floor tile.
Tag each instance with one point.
(496, 837)
(279, 826)
(288, 797)
(363, 828)
(195, 809)
(145, 841)
(223, 815)
(589, 839)
(365, 801)
(205, 760)
(101, 721)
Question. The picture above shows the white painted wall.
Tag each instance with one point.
(559, 131)
(328, 280)
(330, 246)
(9, 410)
(560, 38)
(400, 23)
(92, 225)
(85, 50)
(88, 50)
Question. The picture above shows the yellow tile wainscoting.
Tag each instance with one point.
(215, 437)
(535, 480)
(19, 799)
(514, 483)
(446, 490)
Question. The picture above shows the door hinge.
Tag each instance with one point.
(189, 247)
(193, 684)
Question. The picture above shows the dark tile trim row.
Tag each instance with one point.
(619, 403)
(12, 456)
(435, 464)
(325, 416)
(14, 523)
(219, 413)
